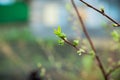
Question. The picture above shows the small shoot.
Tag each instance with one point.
(80, 51)
(59, 33)
(114, 25)
(92, 53)
(62, 35)
(61, 42)
(102, 9)
(75, 42)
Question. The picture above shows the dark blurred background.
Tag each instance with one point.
(27, 40)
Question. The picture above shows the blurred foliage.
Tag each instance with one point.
(15, 34)
(14, 13)
(21, 51)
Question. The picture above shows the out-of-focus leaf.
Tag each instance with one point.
(75, 42)
(115, 35)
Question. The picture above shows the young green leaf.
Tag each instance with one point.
(62, 35)
(75, 42)
(61, 42)
(57, 31)
(92, 53)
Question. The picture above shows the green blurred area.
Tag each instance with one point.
(20, 52)
(13, 13)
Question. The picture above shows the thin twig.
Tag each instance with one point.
(89, 40)
(112, 70)
(68, 42)
(101, 12)
(77, 48)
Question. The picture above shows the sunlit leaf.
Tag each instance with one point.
(92, 53)
(57, 31)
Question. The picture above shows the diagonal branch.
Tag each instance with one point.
(68, 42)
(101, 12)
(89, 40)
(112, 70)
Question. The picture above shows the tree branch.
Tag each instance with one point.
(89, 40)
(112, 70)
(68, 42)
(101, 12)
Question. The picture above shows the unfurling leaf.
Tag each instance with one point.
(59, 29)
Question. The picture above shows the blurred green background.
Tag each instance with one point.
(27, 39)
